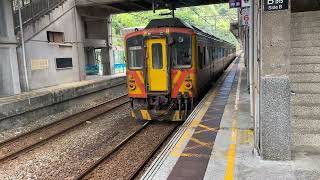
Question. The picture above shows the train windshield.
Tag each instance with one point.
(181, 50)
(135, 52)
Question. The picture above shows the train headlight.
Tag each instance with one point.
(188, 85)
(132, 86)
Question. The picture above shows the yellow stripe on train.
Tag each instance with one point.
(146, 115)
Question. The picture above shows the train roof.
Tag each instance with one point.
(178, 23)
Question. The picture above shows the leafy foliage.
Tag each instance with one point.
(213, 19)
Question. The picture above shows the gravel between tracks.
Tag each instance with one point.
(144, 169)
(124, 162)
(68, 155)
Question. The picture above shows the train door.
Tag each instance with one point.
(157, 65)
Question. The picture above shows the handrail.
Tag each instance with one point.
(32, 10)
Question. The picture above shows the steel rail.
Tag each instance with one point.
(38, 130)
(151, 154)
(106, 156)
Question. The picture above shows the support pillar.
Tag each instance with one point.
(111, 53)
(9, 71)
(105, 61)
(98, 29)
(274, 83)
(255, 107)
(91, 56)
(107, 56)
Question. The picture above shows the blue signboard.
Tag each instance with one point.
(119, 68)
(234, 3)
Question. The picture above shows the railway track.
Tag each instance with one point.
(129, 157)
(11, 148)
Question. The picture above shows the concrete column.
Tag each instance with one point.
(109, 41)
(100, 29)
(274, 83)
(9, 73)
(106, 53)
(91, 56)
(256, 72)
(80, 38)
(105, 61)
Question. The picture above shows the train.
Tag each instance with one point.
(169, 65)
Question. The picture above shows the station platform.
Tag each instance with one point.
(17, 104)
(24, 112)
(217, 140)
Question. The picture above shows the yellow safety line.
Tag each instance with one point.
(177, 150)
(201, 143)
(229, 175)
(207, 128)
(194, 155)
(188, 148)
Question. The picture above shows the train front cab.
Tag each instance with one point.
(161, 74)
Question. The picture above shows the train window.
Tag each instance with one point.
(205, 61)
(135, 52)
(217, 53)
(212, 55)
(222, 52)
(157, 62)
(200, 54)
(181, 51)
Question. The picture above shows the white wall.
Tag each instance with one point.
(63, 19)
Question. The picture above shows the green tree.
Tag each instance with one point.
(213, 19)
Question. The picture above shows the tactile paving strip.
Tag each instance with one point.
(193, 161)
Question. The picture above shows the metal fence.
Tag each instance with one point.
(32, 10)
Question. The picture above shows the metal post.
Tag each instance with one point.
(23, 47)
(251, 61)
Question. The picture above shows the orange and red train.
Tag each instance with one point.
(169, 65)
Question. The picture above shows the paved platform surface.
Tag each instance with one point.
(217, 141)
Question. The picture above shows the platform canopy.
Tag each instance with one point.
(124, 6)
(306, 5)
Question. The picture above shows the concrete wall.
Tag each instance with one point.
(9, 74)
(274, 85)
(3, 28)
(63, 19)
(80, 30)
